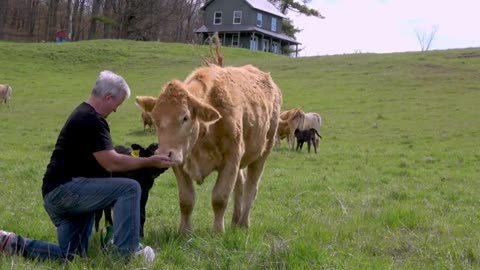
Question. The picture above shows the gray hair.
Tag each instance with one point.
(109, 83)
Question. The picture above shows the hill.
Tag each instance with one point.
(393, 186)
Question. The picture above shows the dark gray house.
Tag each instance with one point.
(251, 24)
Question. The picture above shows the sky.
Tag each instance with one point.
(384, 26)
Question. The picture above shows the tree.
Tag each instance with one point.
(3, 17)
(425, 39)
(300, 7)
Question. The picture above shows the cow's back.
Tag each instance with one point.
(248, 101)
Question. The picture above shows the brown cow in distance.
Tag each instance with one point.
(294, 119)
(218, 119)
(145, 103)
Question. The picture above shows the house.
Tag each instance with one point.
(251, 24)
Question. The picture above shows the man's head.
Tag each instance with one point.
(109, 91)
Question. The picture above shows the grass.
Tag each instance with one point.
(394, 185)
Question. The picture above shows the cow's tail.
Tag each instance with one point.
(316, 132)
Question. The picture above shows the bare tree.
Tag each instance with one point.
(51, 19)
(425, 39)
(94, 19)
(3, 17)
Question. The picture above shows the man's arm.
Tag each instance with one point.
(115, 162)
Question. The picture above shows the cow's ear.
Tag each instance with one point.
(204, 111)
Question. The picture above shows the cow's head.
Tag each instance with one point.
(178, 117)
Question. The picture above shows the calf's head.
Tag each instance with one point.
(178, 117)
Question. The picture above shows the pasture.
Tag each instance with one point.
(394, 185)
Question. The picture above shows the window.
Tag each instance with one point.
(274, 24)
(237, 17)
(217, 17)
(234, 40)
(259, 19)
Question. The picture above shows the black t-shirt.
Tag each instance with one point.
(84, 133)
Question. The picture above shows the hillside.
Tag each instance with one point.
(394, 184)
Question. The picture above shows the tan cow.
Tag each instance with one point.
(283, 131)
(294, 118)
(5, 94)
(146, 103)
(218, 119)
(147, 121)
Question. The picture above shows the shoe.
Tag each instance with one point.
(147, 252)
(6, 240)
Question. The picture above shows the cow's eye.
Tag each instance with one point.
(185, 118)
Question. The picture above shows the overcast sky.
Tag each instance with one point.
(382, 26)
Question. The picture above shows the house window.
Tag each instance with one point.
(237, 17)
(217, 17)
(259, 19)
(234, 40)
(274, 24)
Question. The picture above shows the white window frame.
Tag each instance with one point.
(259, 19)
(239, 16)
(235, 39)
(274, 24)
(215, 17)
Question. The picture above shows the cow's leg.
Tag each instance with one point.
(291, 140)
(227, 177)
(254, 174)
(309, 145)
(315, 145)
(237, 197)
(186, 195)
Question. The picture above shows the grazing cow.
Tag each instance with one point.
(5, 94)
(283, 131)
(144, 176)
(146, 103)
(294, 118)
(218, 119)
(312, 120)
(307, 135)
(147, 121)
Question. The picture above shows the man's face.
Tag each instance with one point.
(111, 103)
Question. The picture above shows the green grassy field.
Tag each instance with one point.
(394, 185)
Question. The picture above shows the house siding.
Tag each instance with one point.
(264, 34)
(227, 11)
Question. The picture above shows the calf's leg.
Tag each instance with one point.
(186, 195)
(226, 180)
(238, 197)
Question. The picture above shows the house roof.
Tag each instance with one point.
(262, 5)
(242, 28)
(266, 6)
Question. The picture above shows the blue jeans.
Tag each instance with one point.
(71, 207)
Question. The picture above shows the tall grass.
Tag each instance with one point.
(394, 185)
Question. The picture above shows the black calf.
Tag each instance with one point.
(308, 136)
(144, 176)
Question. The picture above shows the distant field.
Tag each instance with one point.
(394, 186)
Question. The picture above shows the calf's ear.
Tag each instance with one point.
(137, 147)
(203, 111)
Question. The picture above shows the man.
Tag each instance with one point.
(78, 181)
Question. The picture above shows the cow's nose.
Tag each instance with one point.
(170, 154)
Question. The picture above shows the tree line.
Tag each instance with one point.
(160, 20)
(148, 20)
